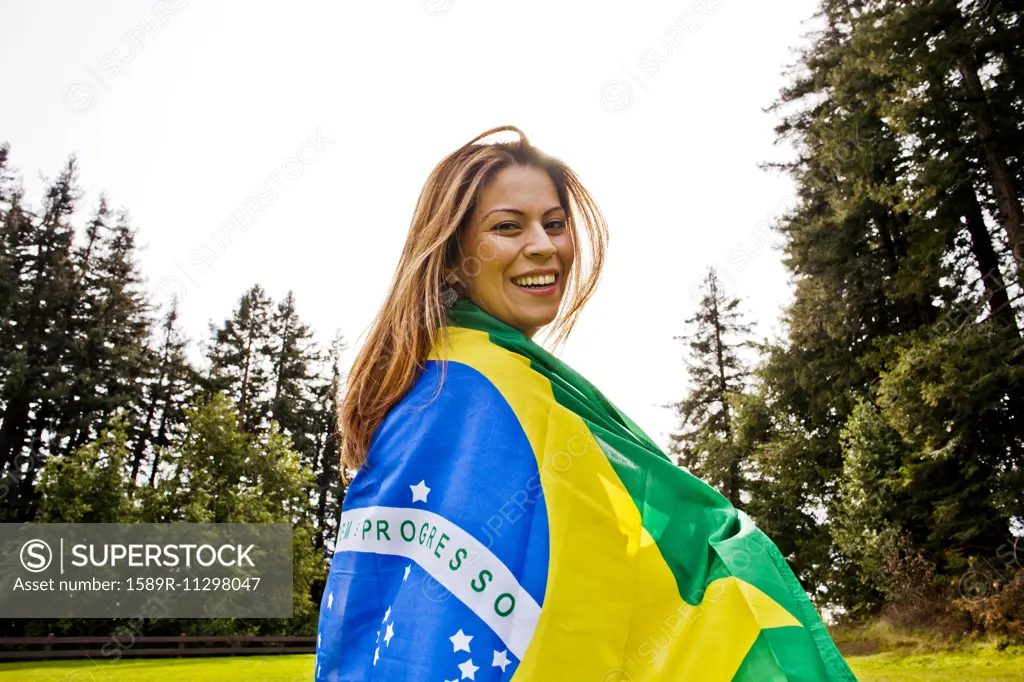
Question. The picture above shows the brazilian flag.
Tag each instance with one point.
(512, 524)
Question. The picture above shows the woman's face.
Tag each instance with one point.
(518, 230)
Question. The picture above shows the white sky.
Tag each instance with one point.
(219, 95)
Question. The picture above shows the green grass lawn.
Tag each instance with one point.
(979, 665)
(974, 666)
(289, 668)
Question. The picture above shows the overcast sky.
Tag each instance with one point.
(330, 116)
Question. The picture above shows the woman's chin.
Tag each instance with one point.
(526, 316)
(533, 321)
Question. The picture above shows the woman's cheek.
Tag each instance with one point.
(493, 249)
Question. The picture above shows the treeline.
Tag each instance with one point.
(104, 418)
(880, 443)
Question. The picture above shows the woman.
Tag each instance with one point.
(508, 520)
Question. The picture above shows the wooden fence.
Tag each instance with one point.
(106, 648)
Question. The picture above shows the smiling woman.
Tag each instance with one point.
(487, 214)
(507, 521)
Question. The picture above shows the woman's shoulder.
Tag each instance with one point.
(444, 391)
(460, 429)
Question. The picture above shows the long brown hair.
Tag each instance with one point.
(406, 328)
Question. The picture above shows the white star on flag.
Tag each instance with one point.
(468, 669)
(461, 641)
(387, 614)
(330, 600)
(391, 633)
(376, 655)
(420, 491)
(500, 659)
(407, 569)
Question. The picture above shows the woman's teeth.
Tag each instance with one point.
(536, 281)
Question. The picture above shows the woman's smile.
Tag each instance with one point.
(539, 284)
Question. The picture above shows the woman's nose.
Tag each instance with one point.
(540, 244)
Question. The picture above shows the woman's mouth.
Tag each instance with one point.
(538, 285)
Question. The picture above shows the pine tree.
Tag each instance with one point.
(937, 52)
(293, 389)
(240, 355)
(36, 382)
(329, 492)
(15, 235)
(8, 185)
(110, 334)
(873, 511)
(170, 384)
(705, 444)
(74, 413)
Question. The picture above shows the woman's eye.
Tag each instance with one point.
(505, 227)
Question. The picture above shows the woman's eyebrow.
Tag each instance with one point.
(518, 212)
